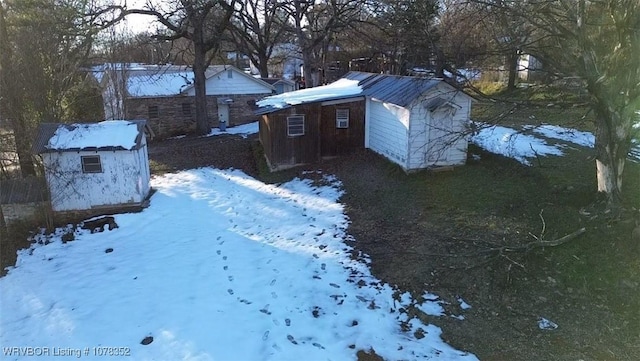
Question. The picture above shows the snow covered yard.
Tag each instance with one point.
(533, 141)
(219, 267)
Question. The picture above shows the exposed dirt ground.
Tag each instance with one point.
(445, 249)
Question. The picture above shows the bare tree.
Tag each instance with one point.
(257, 27)
(43, 44)
(203, 24)
(315, 24)
(597, 41)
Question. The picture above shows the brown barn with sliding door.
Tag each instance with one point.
(306, 133)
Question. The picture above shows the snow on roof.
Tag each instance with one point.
(160, 84)
(341, 88)
(109, 133)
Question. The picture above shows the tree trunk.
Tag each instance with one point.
(263, 66)
(612, 147)
(512, 65)
(199, 67)
(307, 56)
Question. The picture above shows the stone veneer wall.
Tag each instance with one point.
(174, 120)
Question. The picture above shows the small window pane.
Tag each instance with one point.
(153, 111)
(342, 118)
(91, 164)
(295, 125)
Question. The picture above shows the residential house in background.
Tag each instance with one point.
(91, 167)
(415, 122)
(530, 68)
(164, 95)
(281, 85)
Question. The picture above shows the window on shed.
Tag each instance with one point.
(342, 118)
(186, 109)
(91, 164)
(295, 125)
(153, 111)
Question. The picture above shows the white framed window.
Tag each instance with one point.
(91, 164)
(295, 125)
(342, 118)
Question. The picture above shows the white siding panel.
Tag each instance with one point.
(418, 136)
(434, 142)
(121, 180)
(221, 84)
(388, 131)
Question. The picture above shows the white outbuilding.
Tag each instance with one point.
(95, 166)
(415, 122)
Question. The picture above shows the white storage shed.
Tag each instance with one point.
(92, 166)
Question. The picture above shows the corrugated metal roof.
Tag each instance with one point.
(396, 89)
(22, 190)
(47, 130)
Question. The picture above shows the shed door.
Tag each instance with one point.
(440, 135)
(223, 113)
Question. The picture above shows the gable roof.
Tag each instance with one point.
(106, 135)
(145, 80)
(274, 81)
(396, 89)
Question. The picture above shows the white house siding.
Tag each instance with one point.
(119, 183)
(388, 130)
(221, 84)
(418, 136)
(439, 138)
(142, 161)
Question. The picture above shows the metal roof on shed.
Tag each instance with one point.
(396, 89)
(22, 190)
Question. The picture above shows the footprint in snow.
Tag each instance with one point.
(265, 309)
(292, 340)
(230, 291)
(224, 258)
(247, 302)
(265, 336)
(287, 322)
(318, 345)
(273, 282)
(219, 252)
(225, 268)
(274, 295)
(323, 267)
(230, 278)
